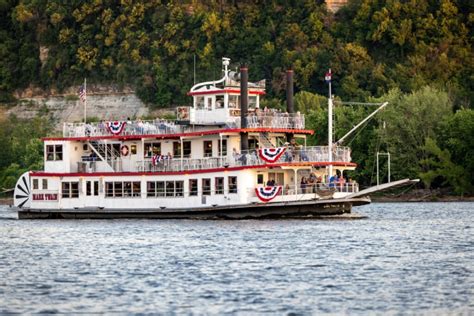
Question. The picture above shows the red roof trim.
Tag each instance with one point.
(133, 174)
(178, 135)
(255, 92)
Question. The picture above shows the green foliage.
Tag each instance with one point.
(22, 149)
(440, 165)
(371, 46)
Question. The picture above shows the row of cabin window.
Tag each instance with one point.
(155, 148)
(155, 188)
(36, 183)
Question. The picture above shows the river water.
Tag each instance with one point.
(404, 258)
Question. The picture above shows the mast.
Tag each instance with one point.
(85, 100)
(328, 79)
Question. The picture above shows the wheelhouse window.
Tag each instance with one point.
(165, 188)
(219, 102)
(234, 102)
(152, 149)
(208, 148)
(232, 184)
(70, 190)
(206, 186)
(193, 187)
(199, 102)
(45, 184)
(219, 185)
(54, 152)
(252, 102)
(123, 189)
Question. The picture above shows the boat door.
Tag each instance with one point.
(92, 193)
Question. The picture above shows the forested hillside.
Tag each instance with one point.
(415, 54)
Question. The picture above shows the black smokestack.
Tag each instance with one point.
(244, 97)
(290, 107)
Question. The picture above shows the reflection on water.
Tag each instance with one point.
(403, 258)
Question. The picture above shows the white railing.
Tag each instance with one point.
(131, 128)
(248, 158)
(314, 188)
(272, 120)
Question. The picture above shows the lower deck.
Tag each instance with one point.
(183, 191)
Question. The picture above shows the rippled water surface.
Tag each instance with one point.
(415, 258)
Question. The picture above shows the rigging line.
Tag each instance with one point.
(358, 132)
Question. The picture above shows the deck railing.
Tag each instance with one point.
(315, 188)
(272, 120)
(247, 158)
(160, 127)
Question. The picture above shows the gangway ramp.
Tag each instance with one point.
(382, 187)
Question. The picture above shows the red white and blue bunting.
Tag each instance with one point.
(271, 154)
(115, 127)
(155, 159)
(266, 194)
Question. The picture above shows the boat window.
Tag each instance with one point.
(70, 190)
(232, 184)
(260, 178)
(252, 102)
(219, 185)
(209, 103)
(170, 188)
(208, 148)
(206, 186)
(200, 103)
(118, 189)
(193, 187)
(219, 102)
(277, 177)
(179, 188)
(133, 149)
(35, 184)
(234, 102)
(54, 152)
(151, 149)
(45, 184)
(223, 151)
(186, 149)
(165, 188)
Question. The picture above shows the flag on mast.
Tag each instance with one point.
(82, 93)
(328, 76)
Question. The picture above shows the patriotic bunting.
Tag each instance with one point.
(115, 127)
(266, 194)
(155, 159)
(271, 154)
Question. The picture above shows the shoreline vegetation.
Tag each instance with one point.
(415, 55)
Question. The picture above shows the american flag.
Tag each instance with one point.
(82, 93)
(328, 76)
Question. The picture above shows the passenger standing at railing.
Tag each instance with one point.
(312, 182)
(341, 183)
(303, 185)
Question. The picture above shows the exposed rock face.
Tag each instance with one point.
(68, 108)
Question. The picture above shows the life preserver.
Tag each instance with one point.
(124, 150)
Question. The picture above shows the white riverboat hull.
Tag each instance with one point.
(297, 209)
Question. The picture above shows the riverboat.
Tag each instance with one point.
(223, 157)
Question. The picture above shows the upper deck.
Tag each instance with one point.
(255, 120)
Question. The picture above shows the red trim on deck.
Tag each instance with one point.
(178, 135)
(254, 92)
(166, 173)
